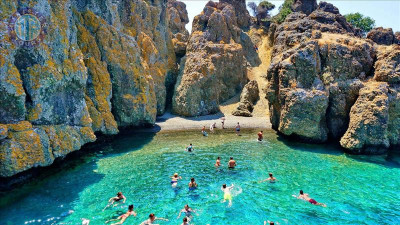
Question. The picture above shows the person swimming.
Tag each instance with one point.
(271, 179)
(192, 184)
(218, 162)
(117, 198)
(260, 136)
(270, 223)
(188, 212)
(190, 148)
(174, 179)
(227, 193)
(306, 197)
(124, 216)
(237, 128)
(151, 219)
(231, 163)
(185, 221)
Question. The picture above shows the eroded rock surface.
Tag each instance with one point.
(382, 36)
(100, 67)
(214, 68)
(248, 97)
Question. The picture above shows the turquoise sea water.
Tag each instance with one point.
(356, 189)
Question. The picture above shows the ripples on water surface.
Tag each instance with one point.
(357, 190)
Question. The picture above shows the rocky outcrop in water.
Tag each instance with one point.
(214, 68)
(101, 66)
(248, 97)
(323, 83)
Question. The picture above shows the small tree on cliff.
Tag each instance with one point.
(284, 10)
(263, 9)
(365, 23)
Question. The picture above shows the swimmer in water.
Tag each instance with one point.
(174, 179)
(270, 223)
(117, 198)
(260, 136)
(151, 219)
(231, 163)
(192, 184)
(218, 162)
(185, 221)
(124, 216)
(306, 197)
(271, 179)
(227, 193)
(188, 212)
(190, 148)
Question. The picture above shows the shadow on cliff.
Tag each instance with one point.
(391, 160)
(67, 173)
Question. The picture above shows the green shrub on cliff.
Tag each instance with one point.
(365, 23)
(284, 10)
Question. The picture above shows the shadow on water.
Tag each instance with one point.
(390, 160)
(61, 183)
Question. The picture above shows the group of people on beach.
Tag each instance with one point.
(227, 190)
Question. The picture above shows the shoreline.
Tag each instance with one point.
(170, 122)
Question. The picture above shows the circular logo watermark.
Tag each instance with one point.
(27, 28)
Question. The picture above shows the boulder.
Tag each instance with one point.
(248, 97)
(382, 36)
(304, 6)
(178, 18)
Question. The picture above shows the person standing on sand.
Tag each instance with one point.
(237, 129)
(151, 219)
(306, 197)
(212, 128)
(203, 131)
(218, 162)
(192, 184)
(223, 122)
(231, 163)
(260, 136)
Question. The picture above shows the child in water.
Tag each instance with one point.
(227, 193)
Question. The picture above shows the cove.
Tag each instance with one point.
(356, 189)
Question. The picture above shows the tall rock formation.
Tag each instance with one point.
(101, 65)
(214, 68)
(324, 83)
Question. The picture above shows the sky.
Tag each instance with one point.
(385, 13)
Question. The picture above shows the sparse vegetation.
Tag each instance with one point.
(365, 23)
(284, 10)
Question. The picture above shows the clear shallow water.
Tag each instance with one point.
(357, 189)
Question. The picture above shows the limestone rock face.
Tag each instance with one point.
(382, 36)
(102, 65)
(248, 97)
(178, 18)
(214, 68)
(369, 118)
(387, 65)
(304, 6)
(303, 115)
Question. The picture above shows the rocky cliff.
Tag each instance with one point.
(101, 65)
(214, 67)
(328, 83)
